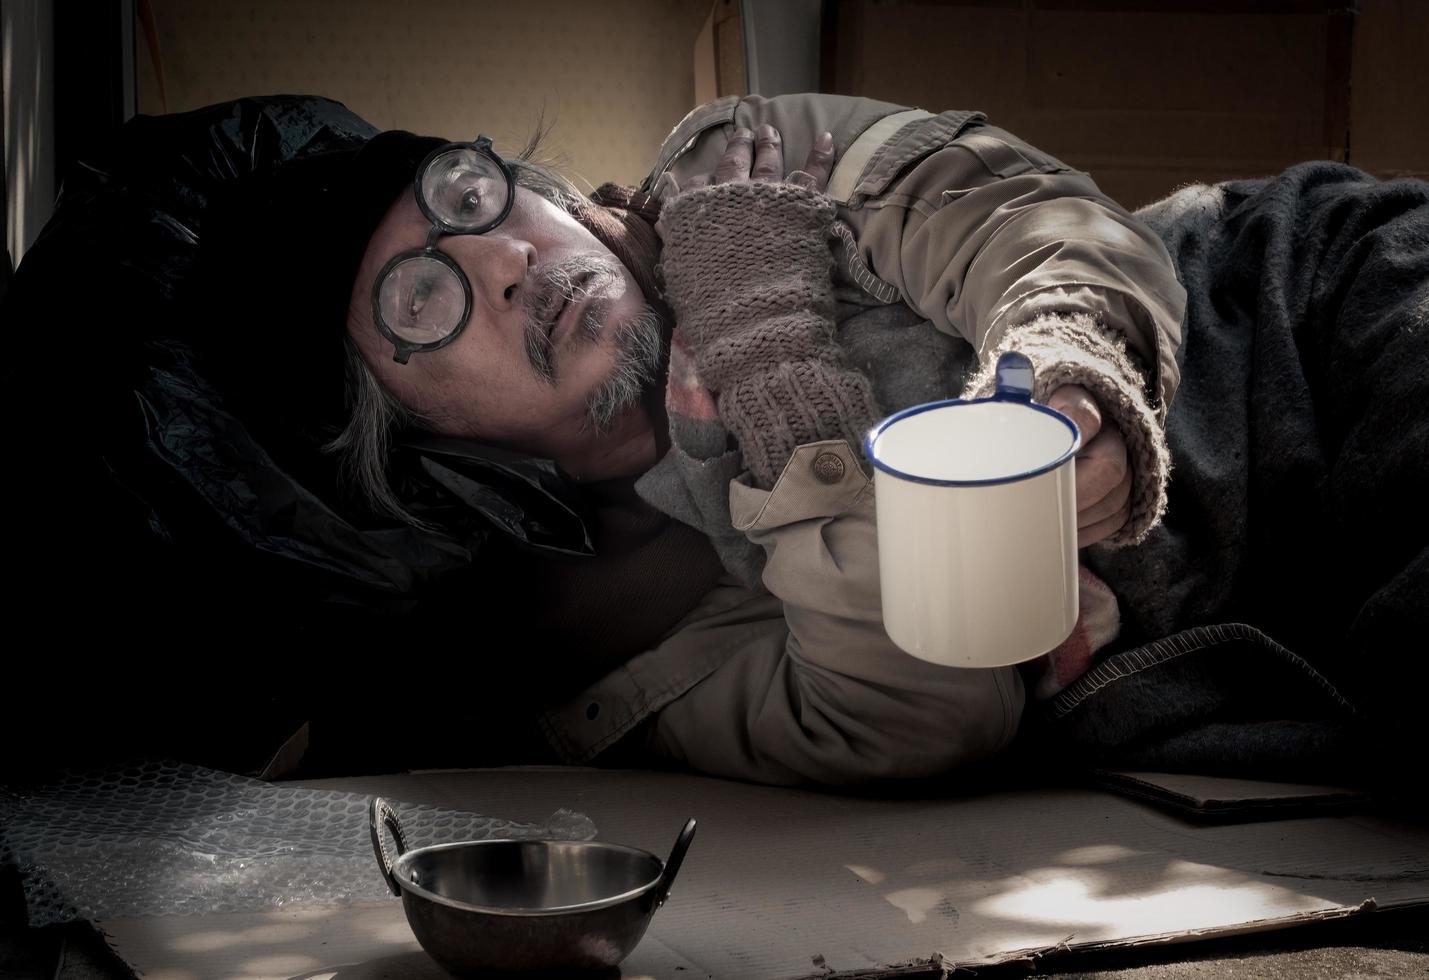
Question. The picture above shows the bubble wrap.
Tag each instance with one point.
(174, 839)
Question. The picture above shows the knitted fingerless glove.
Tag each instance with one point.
(746, 268)
(1076, 349)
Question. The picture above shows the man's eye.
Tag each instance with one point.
(421, 292)
(470, 201)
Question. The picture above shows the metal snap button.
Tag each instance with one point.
(828, 468)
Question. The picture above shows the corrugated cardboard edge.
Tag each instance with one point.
(1039, 957)
(1142, 786)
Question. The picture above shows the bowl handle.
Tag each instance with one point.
(672, 864)
(379, 812)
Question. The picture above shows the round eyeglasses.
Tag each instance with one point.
(421, 299)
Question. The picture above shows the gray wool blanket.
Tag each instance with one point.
(1277, 622)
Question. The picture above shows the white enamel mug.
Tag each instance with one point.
(977, 524)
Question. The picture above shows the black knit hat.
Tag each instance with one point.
(282, 250)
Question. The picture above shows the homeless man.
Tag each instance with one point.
(733, 605)
(716, 605)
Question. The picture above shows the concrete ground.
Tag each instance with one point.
(1384, 944)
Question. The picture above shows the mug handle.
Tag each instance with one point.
(380, 812)
(1014, 377)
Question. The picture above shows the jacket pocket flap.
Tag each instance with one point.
(921, 135)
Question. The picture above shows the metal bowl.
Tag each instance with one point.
(525, 906)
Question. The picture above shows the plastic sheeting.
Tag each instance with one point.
(175, 839)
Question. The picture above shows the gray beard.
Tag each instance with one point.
(639, 356)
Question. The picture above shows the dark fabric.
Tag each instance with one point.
(1222, 699)
(170, 482)
(162, 504)
(648, 572)
(1300, 440)
(296, 234)
(580, 617)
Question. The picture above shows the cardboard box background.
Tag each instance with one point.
(1146, 94)
(1151, 95)
(613, 76)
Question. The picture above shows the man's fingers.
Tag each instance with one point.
(1077, 404)
(819, 166)
(703, 180)
(759, 155)
(1112, 503)
(1103, 529)
(1102, 472)
(1101, 467)
(738, 158)
(768, 155)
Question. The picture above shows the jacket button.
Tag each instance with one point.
(828, 468)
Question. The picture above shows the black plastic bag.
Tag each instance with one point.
(140, 489)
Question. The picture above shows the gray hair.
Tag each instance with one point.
(638, 356)
(364, 445)
(375, 416)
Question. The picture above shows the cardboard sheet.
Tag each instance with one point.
(790, 884)
(1222, 798)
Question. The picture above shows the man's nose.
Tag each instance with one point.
(501, 268)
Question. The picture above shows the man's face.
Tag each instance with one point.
(530, 370)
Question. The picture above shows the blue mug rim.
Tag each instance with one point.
(876, 431)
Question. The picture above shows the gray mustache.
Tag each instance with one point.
(550, 286)
(554, 284)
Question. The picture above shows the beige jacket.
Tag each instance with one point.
(797, 682)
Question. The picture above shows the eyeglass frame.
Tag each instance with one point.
(403, 349)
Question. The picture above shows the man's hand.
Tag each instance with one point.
(757, 156)
(1103, 475)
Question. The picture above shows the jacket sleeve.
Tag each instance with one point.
(1006, 247)
(829, 698)
(987, 233)
(802, 686)
(966, 223)
(992, 240)
(799, 686)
